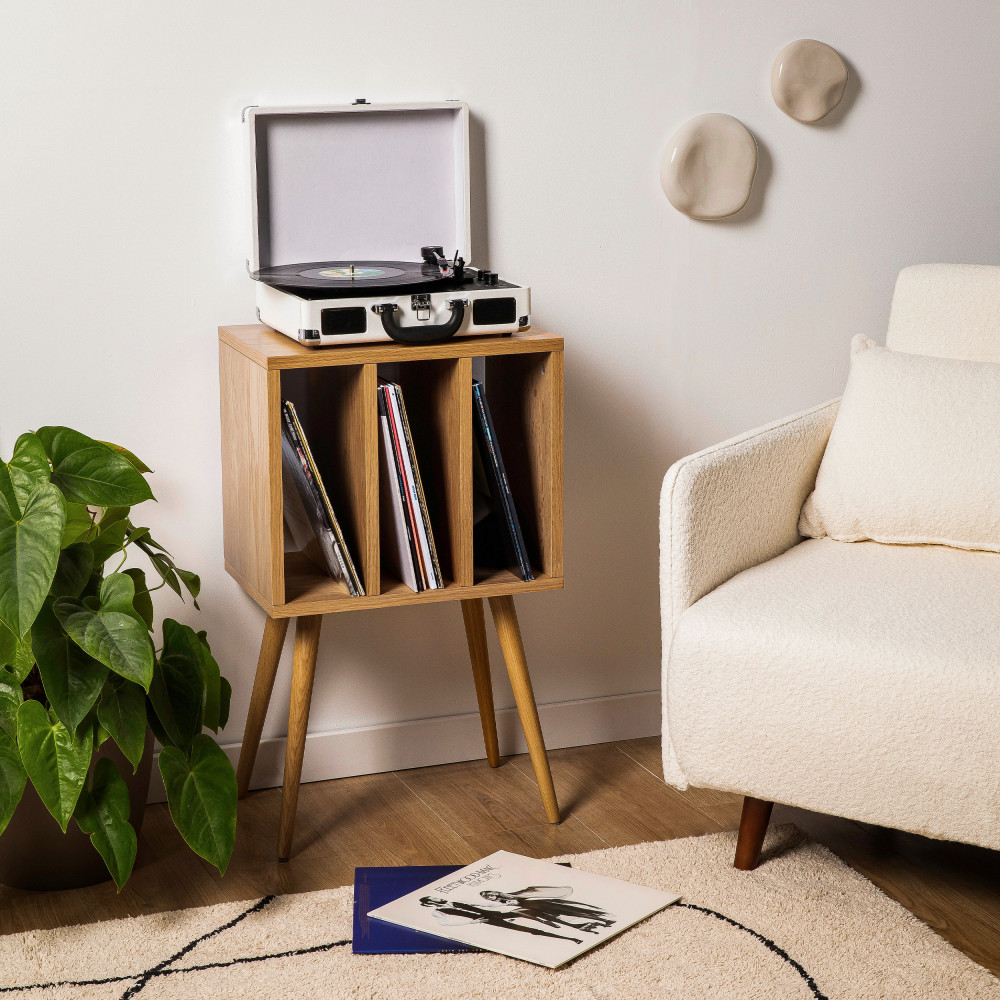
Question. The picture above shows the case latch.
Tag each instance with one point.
(421, 305)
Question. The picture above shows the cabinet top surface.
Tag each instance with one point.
(270, 349)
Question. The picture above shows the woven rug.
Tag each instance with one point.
(804, 925)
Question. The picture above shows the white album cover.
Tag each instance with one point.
(533, 910)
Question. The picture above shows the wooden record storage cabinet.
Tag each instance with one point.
(334, 390)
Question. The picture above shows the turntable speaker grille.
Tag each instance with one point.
(338, 322)
(491, 312)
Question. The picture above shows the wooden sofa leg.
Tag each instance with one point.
(753, 826)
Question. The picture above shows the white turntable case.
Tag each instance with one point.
(360, 182)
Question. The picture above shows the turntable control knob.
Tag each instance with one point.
(494, 277)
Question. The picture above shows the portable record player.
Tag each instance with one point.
(362, 226)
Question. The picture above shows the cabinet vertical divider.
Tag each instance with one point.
(369, 470)
(552, 473)
(460, 478)
(276, 514)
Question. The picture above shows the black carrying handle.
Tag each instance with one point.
(425, 333)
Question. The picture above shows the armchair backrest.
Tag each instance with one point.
(948, 311)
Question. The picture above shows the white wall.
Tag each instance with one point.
(124, 230)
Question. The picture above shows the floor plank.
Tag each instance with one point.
(475, 800)
(496, 809)
(723, 807)
(601, 786)
(611, 794)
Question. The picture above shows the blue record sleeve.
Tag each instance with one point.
(374, 887)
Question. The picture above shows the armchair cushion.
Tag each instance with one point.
(859, 680)
(914, 455)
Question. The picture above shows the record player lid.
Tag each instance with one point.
(358, 182)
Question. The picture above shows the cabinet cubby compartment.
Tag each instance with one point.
(335, 394)
(438, 400)
(333, 405)
(524, 392)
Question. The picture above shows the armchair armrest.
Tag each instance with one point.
(735, 505)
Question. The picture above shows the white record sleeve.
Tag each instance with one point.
(533, 910)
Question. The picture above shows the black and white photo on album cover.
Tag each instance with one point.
(528, 909)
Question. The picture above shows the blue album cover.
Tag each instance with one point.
(375, 886)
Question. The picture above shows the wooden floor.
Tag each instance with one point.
(611, 794)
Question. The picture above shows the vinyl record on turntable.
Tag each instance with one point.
(357, 277)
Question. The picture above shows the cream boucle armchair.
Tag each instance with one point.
(856, 679)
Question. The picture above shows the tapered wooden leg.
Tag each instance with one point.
(505, 619)
(753, 826)
(475, 633)
(303, 671)
(263, 683)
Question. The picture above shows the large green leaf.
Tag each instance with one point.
(22, 659)
(76, 563)
(29, 554)
(103, 812)
(72, 678)
(137, 462)
(56, 761)
(88, 471)
(78, 524)
(201, 794)
(110, 540)
(141, 600)
(114, 632)
(12, 778)
(28, 467)
(122, 712)
(8, 645)
(177, 694)
(181, 640)
(10, 701)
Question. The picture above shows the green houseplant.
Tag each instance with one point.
(78, 661)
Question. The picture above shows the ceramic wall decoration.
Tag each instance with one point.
(808, 80)
(709, 166)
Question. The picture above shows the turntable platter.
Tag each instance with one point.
(354, 278)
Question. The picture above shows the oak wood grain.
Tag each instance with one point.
(312, 592)
(475, 799)
(307, 630)
(600, 785)
(269, 349)
(509, 634)
(251, 474)
(267, 667)
(335, 394)
(539, 840)
(724, 807)
(479, 654)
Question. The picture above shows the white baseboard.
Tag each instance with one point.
(450, 738)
